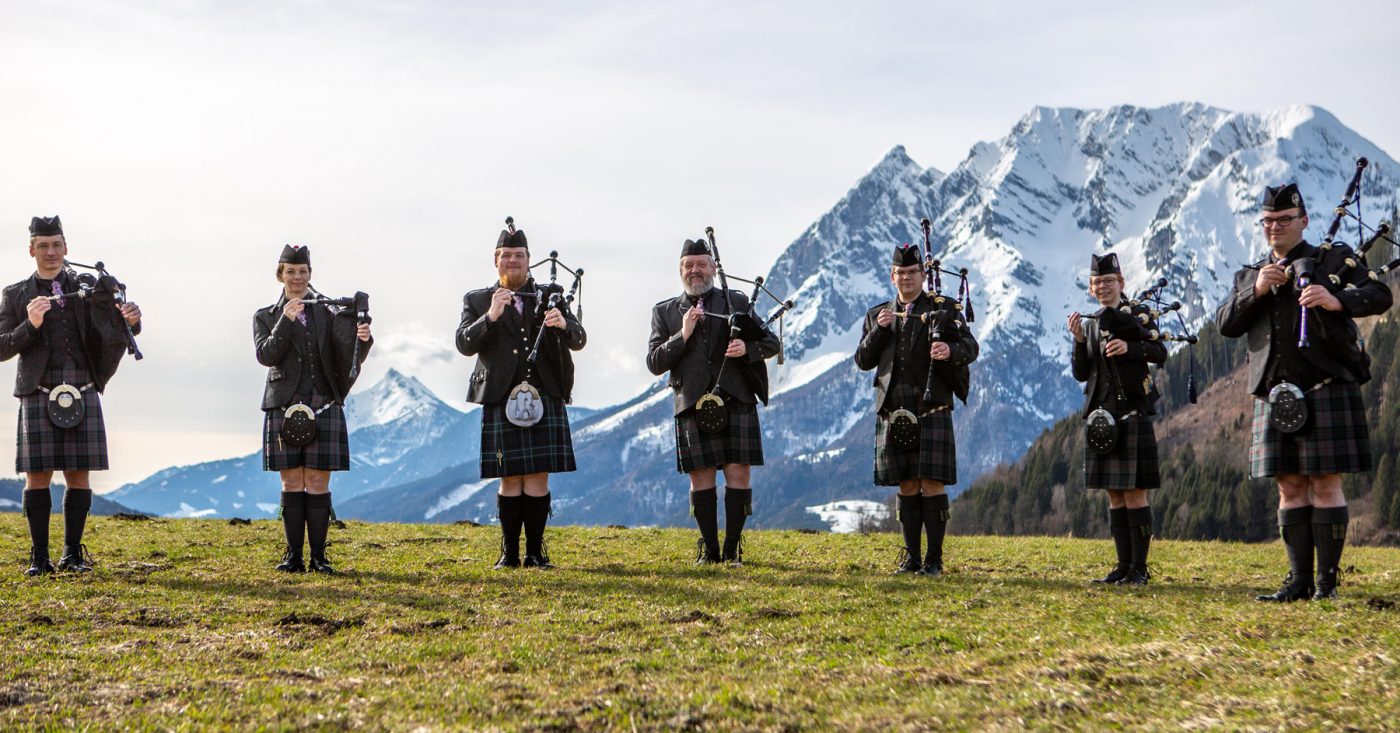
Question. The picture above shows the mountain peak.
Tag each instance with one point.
(393, 397)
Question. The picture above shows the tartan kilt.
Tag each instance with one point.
(330, 451)
(42, 446)
(1334, 440)
(1131, 465)
(741, 442)
(935, 460)
(510, 450)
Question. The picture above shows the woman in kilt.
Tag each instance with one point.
(1115, 372)
(72, 344)
(524, 424)
(704, 360)
(303, 399)
(903, 351)
(1306, 458)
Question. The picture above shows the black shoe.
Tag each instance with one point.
(1292, 590)
(539, 560)
(320, 565)
(291, 563)
(76, 559)
(1135, 576)
(733, 556)
(908, 563)
(931, 569)
(1114, 575)
(1326, 585)
(706, 555)
(510, 556)
(38, 563)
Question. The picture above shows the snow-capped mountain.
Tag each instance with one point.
(1173, 190)
(399, 431)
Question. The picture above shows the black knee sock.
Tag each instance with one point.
(76, 505)
(704, 504)
(511, 511)
(1122, 541)
(1296, 528)
(536, 517)
(1140, 534)
(294, 520)
(1329, 533)
(38, 504)
(318, 523)
(738, 505)
(935, 526)
(911, 518)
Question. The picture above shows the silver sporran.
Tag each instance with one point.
(524, 406)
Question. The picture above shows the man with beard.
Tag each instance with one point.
(524, 426)
(1116, 380)
(716, 380)
(1309, 420)
(68, 348)
(903, 340)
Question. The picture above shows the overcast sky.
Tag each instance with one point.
(184, 142)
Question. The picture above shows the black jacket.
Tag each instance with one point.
(103, 337)
(1336, 344)
(692, 369)
(277, 350)
(502, 348)
(1090, 366)
(951, 377)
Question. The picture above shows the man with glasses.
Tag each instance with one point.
(705, 361)
(1114, 372)
(916, 341)
(1309, 422)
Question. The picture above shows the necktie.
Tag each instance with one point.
(301, 317)
(58, 290)
(519, 305)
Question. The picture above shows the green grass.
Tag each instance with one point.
(184, 625)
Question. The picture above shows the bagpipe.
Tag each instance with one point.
(942, 320)
(348, 314)
(100, 289)
(748, 325)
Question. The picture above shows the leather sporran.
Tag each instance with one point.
(298, 426)
(65, 406)
(711, 414)
(1101, 431)
(1288, 408)
(903, 433)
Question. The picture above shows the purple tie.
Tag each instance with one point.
(519, 305)
(58, 290)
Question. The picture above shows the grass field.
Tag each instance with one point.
(184, 626)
